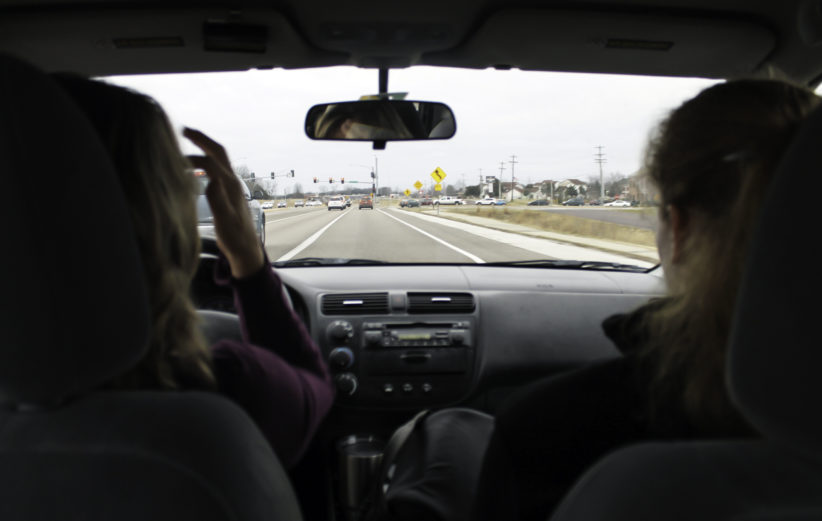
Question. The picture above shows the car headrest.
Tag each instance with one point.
(775, 356)
(74, 303)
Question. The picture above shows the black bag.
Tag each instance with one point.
(431, 467)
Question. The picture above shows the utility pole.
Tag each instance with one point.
(513, 162)
(501, 168)
(599, 158)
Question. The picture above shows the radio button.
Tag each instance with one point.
(426, 387)
(407, 387)
(388, 389)
(373, 338)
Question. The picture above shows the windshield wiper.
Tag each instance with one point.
(325, 261)
(572, 265)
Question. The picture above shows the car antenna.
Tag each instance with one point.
(379, 144)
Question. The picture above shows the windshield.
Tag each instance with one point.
(572, 143)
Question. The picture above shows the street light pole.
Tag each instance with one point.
(499, 187)
(513, 162)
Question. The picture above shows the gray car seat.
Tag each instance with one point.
(74, 315)
(775, 379)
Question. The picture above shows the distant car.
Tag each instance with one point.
(348, 202)
(336, 202)
(314, 202)
(205, 219)
(412, 203)
(282, 204)
(366, 202)
(267, 205)
(576, 201)
(499, 202)
(594, 202)
(299, 202)
(448, 200)
(403, 203)
(618, 202)
(487, 201)
(539, 202)
(427, 201)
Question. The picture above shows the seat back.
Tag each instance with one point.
(774, 362)
(75, 315)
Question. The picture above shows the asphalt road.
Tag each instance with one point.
(395, 235)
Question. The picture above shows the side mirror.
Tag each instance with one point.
(380, 120)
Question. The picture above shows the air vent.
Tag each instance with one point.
(440, 303)
(355, 304)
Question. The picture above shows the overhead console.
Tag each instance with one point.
(397, 350)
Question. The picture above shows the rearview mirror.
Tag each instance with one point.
(380, 120)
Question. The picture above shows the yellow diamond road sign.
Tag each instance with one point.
(417, 185)
(407, 192)
(438, 175)
(438, 187)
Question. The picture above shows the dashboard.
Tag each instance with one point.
(409, 337)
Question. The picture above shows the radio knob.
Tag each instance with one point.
(341, 358)
(340, 330)
(346, 383)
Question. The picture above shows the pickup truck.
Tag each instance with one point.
(448, 200)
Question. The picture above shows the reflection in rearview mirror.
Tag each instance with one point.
(380, 120)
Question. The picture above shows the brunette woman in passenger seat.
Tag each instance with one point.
(277, 373)
(711, 161)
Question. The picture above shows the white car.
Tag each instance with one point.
(488, 201)
(299, 203)
(267, 205)
(314, 202)
(448, 200)
(618, 203)
(282, 204)
(336, 202)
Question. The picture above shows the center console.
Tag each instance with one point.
(401, 360)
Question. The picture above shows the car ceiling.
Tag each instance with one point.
(707, 38)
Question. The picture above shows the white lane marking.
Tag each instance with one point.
(308, 242)
(287, 218)
(546, 247)
(458, 250)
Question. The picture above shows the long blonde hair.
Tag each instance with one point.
(161, 195)
(713, 158)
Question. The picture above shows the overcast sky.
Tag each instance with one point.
(550, 121)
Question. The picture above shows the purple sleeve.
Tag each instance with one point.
(278, 374)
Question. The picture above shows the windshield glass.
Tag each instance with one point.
(571, 144)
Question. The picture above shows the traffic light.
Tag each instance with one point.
(373, 175)
(330, 180)
(252, 175)
(272, 175)
(292, 173)
(315, 179)
(342, 180)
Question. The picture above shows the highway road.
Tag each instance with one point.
(395, 235)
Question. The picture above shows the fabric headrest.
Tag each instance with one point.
(75, 309)
(775, 354)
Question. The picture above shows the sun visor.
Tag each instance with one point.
(102, 43)
(605, 42)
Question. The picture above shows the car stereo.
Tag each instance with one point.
(377, 335)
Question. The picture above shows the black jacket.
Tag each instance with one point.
(550, 432)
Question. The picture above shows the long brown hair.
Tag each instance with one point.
(161, 195)
(713, 159)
